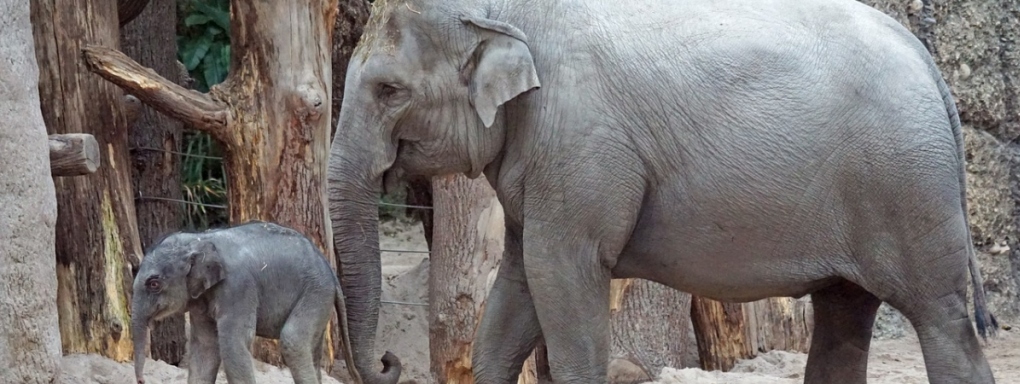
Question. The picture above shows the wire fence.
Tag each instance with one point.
(220, 206)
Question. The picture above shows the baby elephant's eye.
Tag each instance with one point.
(153, 284)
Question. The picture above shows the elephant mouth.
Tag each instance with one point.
(395, 175)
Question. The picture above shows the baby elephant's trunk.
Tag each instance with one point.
(140, 338)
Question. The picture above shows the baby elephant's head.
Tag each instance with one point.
(178, 269)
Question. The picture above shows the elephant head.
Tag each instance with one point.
(177, 270)
(423, 97)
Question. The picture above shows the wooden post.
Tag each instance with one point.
(271, 115)
(96, 234)
(73, 154)
(468, 248)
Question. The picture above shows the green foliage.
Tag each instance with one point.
(203, 181)
(203, 45)
(203, 40)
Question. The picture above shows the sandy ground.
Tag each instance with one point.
(403, 329)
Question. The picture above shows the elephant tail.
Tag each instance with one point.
(985, 320)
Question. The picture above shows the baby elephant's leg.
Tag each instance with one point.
(317, 354)
(301, 333)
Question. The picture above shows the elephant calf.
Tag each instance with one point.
(253, 279)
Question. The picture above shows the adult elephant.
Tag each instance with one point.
(736, 150)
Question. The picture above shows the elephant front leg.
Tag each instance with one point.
(236, 328)
(203, 348)
(570, 288)
(509, 329)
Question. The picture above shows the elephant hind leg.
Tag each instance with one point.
(302, 334)
(933, 296)
(844, 315)
(951, 350)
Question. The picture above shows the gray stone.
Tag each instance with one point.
(29, 334)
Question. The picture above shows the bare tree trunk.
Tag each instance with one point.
(271, 115)
(96, 235)
(350, 22)
(727, 332)
(720, 329)
(150, 39)
(29, 338)
(780, 323)
(652, 329)
(469, 246)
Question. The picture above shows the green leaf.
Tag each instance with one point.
(220, 16)
(198, 52)
(196, 19)
(213, 73)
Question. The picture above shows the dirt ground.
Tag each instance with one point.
(403, 329)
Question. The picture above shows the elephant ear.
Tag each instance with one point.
(500, 68)
(206, 268)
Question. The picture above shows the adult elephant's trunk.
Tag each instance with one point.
(140, 339)
(354, 184)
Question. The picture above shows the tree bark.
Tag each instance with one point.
(536, 367)
(96, 235)
(419, 194)
(350, 23)
(651, 328)
(779, 323)
(720, 330)
(469, 246)
(155, 171)
(727, 332)
(73, 154)
(271, 115)
(29, 330)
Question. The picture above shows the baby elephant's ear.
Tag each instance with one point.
(500, 68)
(206, 268)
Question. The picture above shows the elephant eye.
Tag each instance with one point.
(389, 92)
(153, 284)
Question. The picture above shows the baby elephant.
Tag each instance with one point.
(253, 279)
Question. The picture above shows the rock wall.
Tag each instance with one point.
(975, 43)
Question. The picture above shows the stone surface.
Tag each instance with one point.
(29, 337)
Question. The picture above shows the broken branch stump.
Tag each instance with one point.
(73, 154)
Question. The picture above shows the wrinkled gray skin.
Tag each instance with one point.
(252, 279)
(735, 150)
